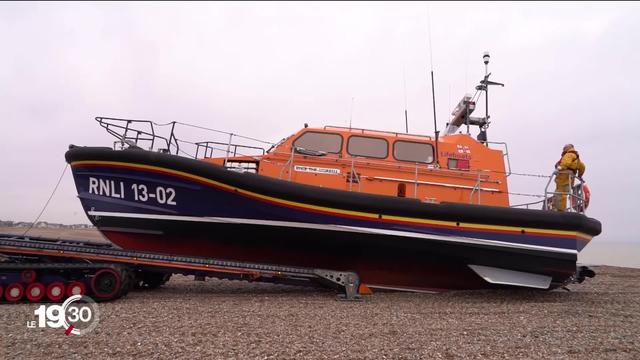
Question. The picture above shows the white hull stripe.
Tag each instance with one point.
(333, 227)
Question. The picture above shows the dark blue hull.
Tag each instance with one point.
(158, 202)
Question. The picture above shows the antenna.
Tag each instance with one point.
(449, 105)
(433, 93)
(484, 86)
(482, 137)
(351, 113)
(406, 117)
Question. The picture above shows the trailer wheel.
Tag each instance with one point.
(35, 292)
(128, 281)
(105, 283)
(76, 288)
(14, 292)
(55, 291)
(28, 276)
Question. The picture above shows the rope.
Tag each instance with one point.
(47, 203)
(214, 130)
(521, 174)
(531, 175)
(525, 194)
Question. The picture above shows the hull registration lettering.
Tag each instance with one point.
(139, 192)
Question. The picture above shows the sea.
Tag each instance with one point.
(614, 253)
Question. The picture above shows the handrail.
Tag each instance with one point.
(527, 205)
(289, 162)
(132, 132)
(475, 187)
(415, 183)
(470, 175)
(480, 176)
(353, 175)
(379, 132)
(505, 154)
(121, 132)
(208, 149)
(575, 193)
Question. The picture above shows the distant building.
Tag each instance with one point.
(44, 225)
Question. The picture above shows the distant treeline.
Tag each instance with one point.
(43, 224)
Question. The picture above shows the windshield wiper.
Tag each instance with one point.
(304, 151)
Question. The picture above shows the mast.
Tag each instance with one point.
(435, 121)
(406, 117)
(433, 95)
(462, 112)
(483, 129)
(484, 86)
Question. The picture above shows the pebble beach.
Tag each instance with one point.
(222, 319)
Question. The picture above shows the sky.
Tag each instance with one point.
(265, 69)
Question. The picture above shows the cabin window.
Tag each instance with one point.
(413, 151)
(368, 147)
(319, 141)
(458, 164)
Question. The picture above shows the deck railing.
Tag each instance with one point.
(576, 199)
(147, 134)
(479, 177)
(550, 200)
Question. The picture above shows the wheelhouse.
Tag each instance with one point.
(387, 163)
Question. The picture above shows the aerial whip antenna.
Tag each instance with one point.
(351, 113)
(433, 93)
(406, 117)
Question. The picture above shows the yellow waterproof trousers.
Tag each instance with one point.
(560, 198)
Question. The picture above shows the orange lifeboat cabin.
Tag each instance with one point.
(461, 170)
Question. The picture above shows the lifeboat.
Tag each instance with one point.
(403, 211)
(373, 202)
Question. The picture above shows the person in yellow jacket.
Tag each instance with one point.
(568, 167)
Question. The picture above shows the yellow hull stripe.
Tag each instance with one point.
(468, 226)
